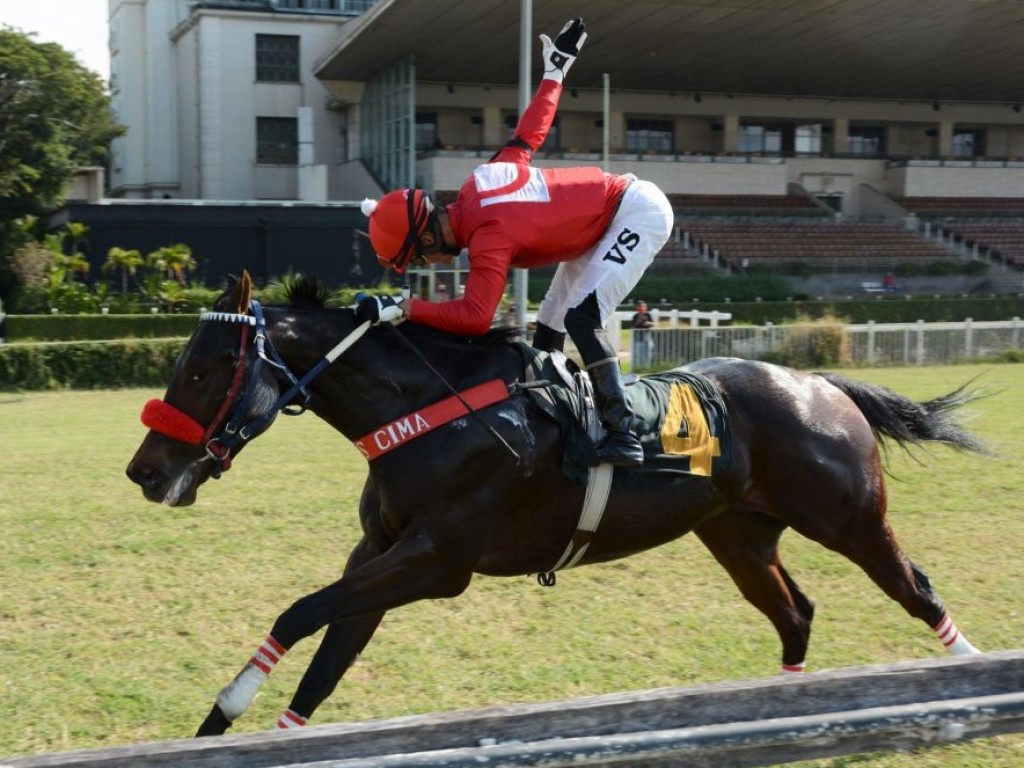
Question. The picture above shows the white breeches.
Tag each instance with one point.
(615, 264)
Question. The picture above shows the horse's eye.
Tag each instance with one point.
(196, 378)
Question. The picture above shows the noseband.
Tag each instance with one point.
(220, 441)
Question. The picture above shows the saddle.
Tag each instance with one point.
(682, 421)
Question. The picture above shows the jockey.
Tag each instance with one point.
(603, 231)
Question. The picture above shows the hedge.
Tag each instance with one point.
(94, 327)
(88, 365)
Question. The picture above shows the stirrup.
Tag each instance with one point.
(621, 449)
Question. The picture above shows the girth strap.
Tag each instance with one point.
(599, 485)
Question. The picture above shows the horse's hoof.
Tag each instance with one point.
(215, 723)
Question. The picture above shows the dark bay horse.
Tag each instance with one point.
(805, 454)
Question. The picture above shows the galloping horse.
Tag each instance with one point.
(804, 454)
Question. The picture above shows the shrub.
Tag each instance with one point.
(814, 344)
(88, 365)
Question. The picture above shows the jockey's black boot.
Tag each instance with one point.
(547, 339)
(620, 446)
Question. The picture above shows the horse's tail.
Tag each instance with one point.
(908, 423)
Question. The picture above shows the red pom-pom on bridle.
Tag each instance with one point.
(164, 418)
(160, 416)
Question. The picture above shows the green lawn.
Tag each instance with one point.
(120, 619)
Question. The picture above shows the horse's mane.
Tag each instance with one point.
(307, 293)
(311, 294)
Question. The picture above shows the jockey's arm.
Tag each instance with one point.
(533, 125)
(472, 314)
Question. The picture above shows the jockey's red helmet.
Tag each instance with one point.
(396, 222)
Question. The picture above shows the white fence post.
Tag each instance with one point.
(920, 342)
(871, 342)
(615, 329)
(968, 337)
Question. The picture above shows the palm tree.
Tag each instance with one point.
(124, 261)
(178, 260)
(77, 232)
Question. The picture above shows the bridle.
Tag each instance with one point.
(232, 426)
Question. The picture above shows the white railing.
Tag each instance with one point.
(870, 343)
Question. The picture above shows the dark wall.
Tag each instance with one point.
(268, 240)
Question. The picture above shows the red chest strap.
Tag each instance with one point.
(402, 430)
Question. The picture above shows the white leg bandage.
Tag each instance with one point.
(237, 695)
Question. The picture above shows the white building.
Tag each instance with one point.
(333, 99)
(220, 99)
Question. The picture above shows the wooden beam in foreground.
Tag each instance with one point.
(736, 723)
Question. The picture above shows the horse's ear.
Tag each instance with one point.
(236, 296)
(242, 294)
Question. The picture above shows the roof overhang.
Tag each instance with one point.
(922, 50)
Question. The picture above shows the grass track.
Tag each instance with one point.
(121, 619)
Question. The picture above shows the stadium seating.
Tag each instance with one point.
(1003, 240)
(963, 207)
(995, 225)
(747, 205)
(844, 246)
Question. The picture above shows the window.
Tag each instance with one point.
(866, 140)
(350, 6)
(550, 142)
(760, 138)
(775, 138)
(649, 135)
(277, 58)
(968, 143)
(277, 140)
(807, 140)
(426, 131)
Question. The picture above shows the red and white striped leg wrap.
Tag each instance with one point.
(951, 638)
(236, 696)
(290, 719)
(267, 655)
(794, 669)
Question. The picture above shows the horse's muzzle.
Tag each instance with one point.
(160, 488)
(152, 481)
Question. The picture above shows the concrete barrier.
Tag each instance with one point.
(738, 723)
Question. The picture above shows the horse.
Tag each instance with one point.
(805, 453)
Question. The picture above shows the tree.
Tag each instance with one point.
(54, 118)
(124, 261)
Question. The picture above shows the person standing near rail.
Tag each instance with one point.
(603, 230)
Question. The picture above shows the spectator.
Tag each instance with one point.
(642, 317)
(643, 340)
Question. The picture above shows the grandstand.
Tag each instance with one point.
(733, 206)
(835, 246)
(991, 227)
(804, 135)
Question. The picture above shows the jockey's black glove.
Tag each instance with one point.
(559, 55)
(379, 309)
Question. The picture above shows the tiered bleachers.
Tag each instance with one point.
(963, 207)
(747, 205)
(675, 259)
(995, 225)
(1002, 239)
(845, 246)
